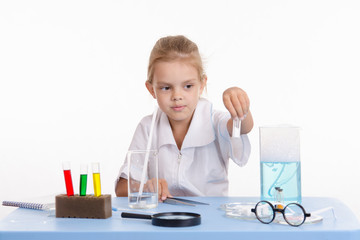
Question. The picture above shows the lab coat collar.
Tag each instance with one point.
(200, 133)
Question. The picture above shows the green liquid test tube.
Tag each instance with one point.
(83, 179)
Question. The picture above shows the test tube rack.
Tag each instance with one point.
(88, 206)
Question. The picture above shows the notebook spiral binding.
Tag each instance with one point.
(36, 206)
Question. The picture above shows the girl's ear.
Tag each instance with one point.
(150, 88)
(203, 83)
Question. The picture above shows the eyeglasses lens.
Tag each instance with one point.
(264, 212)
(294, 214)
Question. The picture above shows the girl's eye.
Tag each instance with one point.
(165, 88)
(188, 86)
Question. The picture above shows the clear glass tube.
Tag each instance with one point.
(236, 131)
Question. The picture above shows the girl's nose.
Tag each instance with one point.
(177, 95)
(177, 98)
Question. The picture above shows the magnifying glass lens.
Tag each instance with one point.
(177, 217)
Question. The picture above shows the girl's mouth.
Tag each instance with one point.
(178, 108)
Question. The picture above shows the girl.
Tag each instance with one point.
(193, 141)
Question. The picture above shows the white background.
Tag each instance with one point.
(72, 87)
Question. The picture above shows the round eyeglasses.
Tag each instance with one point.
(294, 214)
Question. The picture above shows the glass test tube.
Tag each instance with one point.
(83, 179)
(236, 131)
(68, 179)
(96, 179)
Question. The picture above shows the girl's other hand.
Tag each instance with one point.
(236, 102)
(163, 190)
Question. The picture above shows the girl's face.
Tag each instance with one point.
(177, 88)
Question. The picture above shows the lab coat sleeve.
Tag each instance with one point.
(138, 142)
(238, 149)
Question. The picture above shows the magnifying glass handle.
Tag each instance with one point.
(135, 215)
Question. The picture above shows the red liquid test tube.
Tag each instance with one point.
(68, 180)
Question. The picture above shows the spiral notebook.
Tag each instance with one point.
(30, 205)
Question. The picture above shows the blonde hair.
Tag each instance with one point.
(173, 48)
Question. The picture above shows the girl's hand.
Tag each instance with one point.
(163, 190)
(236, 102)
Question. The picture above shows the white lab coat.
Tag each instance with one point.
(200, 168)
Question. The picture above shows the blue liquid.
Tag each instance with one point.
(286, 175)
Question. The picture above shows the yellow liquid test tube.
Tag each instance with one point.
(96, 179)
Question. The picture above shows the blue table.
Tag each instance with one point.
(33, 224)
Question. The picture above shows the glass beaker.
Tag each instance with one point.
(280, 169)
(142, 178)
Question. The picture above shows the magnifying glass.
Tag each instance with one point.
(168, 219)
